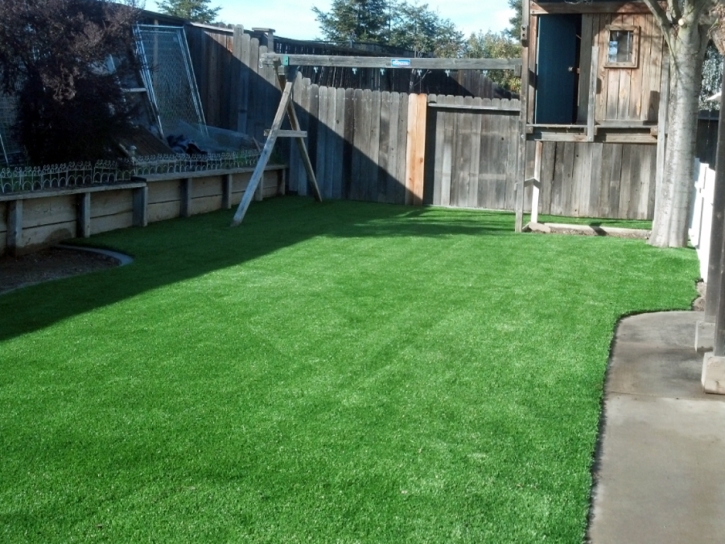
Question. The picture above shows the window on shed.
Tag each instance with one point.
(623, 47)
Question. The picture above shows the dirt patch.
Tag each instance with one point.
(49, 264)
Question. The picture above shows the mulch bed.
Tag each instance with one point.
(49, 264)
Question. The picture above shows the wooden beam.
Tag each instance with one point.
(64, 192)
(603, 136)
(207, 173)
(390, 63)
(289, 133)
(472, 107)
(604, 8)
(625, 137)
(525, 22)
(592, 106)
(264, 157)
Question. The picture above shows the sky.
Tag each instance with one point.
(294, 19)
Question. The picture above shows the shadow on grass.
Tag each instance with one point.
(177, 250)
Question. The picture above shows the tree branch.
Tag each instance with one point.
(673, 6)
(663, 21)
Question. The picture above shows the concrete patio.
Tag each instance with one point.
(660, 472)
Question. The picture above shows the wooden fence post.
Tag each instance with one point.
(84, 215)
(186, 188)
(227, 192)
(15, 226)
(140, 207)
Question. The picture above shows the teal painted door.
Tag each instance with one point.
(556, 78)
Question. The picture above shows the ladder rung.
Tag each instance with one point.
(288, 133)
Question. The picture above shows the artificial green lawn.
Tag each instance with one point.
(337, 372)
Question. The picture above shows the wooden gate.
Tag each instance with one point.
(472, 147)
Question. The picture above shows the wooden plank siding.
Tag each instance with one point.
(597, 180)
(624, 94)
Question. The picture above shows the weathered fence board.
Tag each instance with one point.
(415, 150)
(597, 180)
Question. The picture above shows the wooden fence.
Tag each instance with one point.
(474, 146)
(240, 95)
(415, 148)
(407, 149)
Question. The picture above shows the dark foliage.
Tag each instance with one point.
(407, 26)
(54, 57)
(197, 11)
(514, 31)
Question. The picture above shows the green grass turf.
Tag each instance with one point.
(337, 372)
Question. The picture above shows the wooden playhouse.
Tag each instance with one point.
(594, 113)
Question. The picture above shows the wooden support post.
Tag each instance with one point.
(186, 188)
(227, 192)
(15, 226)
(525, 28)
(713, 295)
(523, 117)
(140, 207)
(713, 367)
(259, 192)
(662, 129)
(719, 346)
(537, 182)
(264, 157)
(592, 106)
(84, 215)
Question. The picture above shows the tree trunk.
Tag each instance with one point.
(669, 228)
(672, 206)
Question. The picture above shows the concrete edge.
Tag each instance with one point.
(587, 230)
(122, 258)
